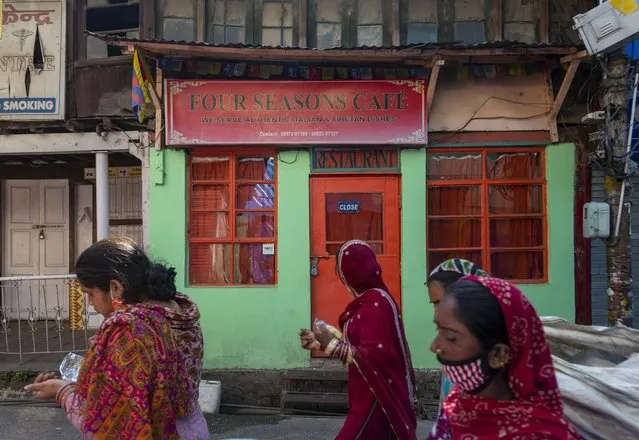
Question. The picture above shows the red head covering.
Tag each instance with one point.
(538, 409)
(382, 364)
(358, 267)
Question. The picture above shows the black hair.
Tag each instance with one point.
(480, 312)
(445, 277)
(122, 260)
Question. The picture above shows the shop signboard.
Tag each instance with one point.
(32, 60)
(209, 112)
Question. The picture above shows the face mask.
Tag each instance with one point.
(471, 376)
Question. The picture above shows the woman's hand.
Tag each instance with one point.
(46, 376)
(307, 340)
(47, 389)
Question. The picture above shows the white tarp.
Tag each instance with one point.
(598, 374)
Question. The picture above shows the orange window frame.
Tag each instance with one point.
(232, 209)
(484, 183)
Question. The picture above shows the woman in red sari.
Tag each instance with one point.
(381, 381)
(491, 344)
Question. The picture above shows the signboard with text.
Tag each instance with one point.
(208, 112)
(32, 60)
(376, 159)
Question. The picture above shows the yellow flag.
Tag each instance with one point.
(626, 7)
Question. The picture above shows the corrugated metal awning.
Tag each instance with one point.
(408, 54)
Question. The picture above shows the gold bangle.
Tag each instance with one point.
(330, 348)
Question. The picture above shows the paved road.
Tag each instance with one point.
(20, 422)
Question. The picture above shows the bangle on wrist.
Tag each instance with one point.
(331, 346)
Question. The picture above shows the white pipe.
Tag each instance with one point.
(102, 193)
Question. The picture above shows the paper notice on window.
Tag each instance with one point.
(626, 7)
(268, 249)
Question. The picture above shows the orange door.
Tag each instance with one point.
(346, 208)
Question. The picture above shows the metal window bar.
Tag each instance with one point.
(27, 308)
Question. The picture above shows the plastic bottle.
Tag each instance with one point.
(320, 324)
(70, 367)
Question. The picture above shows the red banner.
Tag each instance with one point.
(295, 112)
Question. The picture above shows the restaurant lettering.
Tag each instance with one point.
(209, 112)
(360, 159)
(272, 102)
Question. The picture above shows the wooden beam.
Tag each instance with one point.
(159, 110)
(200, 20)
(395, 23)
(574, 56)
(147, 19)
(432, 82)
(561, 97)
(542, 18)
(67, 143)
(337, 55)
(303, 23)
(495, 20)
(446, 20)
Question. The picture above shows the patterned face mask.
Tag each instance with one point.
(472, 375)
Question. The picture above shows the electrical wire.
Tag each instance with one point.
(474, 116)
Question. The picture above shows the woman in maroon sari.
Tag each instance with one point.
(381, 381)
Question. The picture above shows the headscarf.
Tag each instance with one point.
(538, 410)
(185, 324)
(358, 267)
(459, 265)
(378, 345)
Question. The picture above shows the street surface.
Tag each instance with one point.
(20, 422)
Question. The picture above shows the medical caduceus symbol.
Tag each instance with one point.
(22, 35)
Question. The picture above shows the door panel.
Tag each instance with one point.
(346, 208)
(20, 244)
(36, 232)
(54, 246)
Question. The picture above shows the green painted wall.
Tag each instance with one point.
(256, 327)
(557, 297)
(417, 313)
(244, 327)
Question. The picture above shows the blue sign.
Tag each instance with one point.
(350, 207)
(27, 105)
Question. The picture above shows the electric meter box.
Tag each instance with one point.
(596, 220)
(604, 28)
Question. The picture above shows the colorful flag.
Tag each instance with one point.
(140, 83)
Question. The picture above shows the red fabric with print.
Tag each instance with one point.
(381, 378)
(538, 411)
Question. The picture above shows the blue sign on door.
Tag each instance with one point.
(348, 207)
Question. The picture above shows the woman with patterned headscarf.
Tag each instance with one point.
(381, 381)
(491, 343)
(438, 280)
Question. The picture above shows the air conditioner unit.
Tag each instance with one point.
(604, 29)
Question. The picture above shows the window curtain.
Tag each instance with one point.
(210, 263)
(251, 265)
(465, 201)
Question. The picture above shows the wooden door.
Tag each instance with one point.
(345, 208)
(36, 243)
